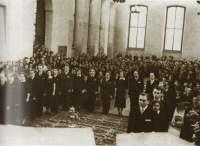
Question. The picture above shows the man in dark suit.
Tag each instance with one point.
(107, 92)
(32, 80)
(142, 117)
(41, 86)
(78, 89)
(151, 84)
(57, 82)
(92, 85)
(66, 88)
(136, 86)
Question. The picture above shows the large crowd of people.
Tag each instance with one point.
(50, 80)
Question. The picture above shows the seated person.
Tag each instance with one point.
(188, 96)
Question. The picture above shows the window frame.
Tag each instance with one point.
(132, 48)
(174, 29)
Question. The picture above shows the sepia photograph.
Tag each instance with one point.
(100, 72)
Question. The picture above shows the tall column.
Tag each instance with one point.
(105, 15)
(81, 26)
(48, 28)
(48, 24)
(111, 31)
(94, 24)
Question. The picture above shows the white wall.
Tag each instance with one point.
(155, 29)
(19, 29)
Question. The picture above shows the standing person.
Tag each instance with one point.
(41, 83)
(161, 124)
(107, 92)
(92, 89)
(11, 103)
(50, 90)
(2, 96)
(136, 86)
(121, 93)
(56, 97)
(142, 117)
(23, 97)
(151, 84)
(78, 89)
(66, 88)
(157, 95)
(100, 80)
(33, 95)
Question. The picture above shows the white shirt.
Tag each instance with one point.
(151, 81)
(143, 109)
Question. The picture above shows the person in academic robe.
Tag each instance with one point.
(66, 88)
(41, 83)
(142, 117)
(56, 97)
(136, 86)
(92, 86)
(33, 95)
(78, 89)
(121, 93)
(107, 92)
(161, 124)
(151, 84)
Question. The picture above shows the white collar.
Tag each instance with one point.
(144, 108)
(122, 78)
(158, 112)
(157, 100)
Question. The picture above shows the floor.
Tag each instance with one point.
(105, 127)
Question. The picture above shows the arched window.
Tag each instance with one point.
(174, 28)
(137, 26)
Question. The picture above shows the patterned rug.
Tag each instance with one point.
(105, 127)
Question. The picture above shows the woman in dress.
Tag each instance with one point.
(161, 124)
(23, 91)
(50, 90)
(121, 93)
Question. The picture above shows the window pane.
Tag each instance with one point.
(171, 17)
(132, 37)
(169, 39)
(134, 19)
(142, 16)
(177, 40)
(179, 17)
(140, 37)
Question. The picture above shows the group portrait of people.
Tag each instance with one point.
(156, 87)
